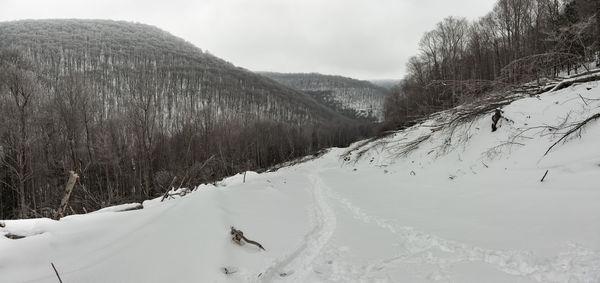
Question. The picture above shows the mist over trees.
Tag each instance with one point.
(134, 110)
(518, 41)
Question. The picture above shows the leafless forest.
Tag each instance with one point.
(134, 110)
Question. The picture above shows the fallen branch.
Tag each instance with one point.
(181, 193)
(238, 236)
(13, 236)
(55, 271)
(582, 99)
(544, 176)
(577, 127)
(168, 189)
(168, 194)
(405, 148)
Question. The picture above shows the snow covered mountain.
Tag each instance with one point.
(387, 84)
(114, 55)
(353, 98)
(437, 202)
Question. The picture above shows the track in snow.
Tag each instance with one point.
(296, 266)
(576, 265)
(318, 258)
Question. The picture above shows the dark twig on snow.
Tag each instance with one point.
(574, 129)
(583, 99)
(55, 271)
(544, 177)
(187, 173)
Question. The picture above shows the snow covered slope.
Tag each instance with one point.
(354, 98)
(463, 206)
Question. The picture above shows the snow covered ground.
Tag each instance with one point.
(466, 206)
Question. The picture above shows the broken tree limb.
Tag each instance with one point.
(166, 194)
(55, 271)
(574, 129)
(238, 236)
(65, 200)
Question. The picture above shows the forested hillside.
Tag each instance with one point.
(133, 110)
(386, 83)
(354, 98)
(531, 42)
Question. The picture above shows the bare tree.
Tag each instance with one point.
(18, 87)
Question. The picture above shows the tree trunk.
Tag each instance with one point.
(597, 33)
(65, 200)
(22, 198)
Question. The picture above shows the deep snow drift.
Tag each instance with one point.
(466, 206)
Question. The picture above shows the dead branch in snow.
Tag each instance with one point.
(405, 148)
(238, 236)
(582, 99)
(56, 271)
(544, 177)
(187, 173)
(181, 193)
(574, 129)
(166, 194)
(13, 236)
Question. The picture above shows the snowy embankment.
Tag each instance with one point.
(465, 205)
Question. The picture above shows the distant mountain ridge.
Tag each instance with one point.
(386, 83)
(354, 98)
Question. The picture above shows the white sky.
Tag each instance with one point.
(365, 39)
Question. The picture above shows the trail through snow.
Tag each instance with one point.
(325, 254)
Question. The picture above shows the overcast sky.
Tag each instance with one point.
(365, 39)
